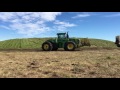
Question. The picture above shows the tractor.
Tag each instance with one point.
(62, 41)
(117, 41)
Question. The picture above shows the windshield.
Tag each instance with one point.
(61, 36)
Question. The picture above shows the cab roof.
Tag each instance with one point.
(61, 33)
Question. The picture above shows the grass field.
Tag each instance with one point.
(102, 43)
(35, 43)
(101, 60)
(27, 43)
(60, 64)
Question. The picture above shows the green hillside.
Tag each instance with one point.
(35, 43)
(26, 43)
(102, 43)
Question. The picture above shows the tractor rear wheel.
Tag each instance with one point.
(47, 46)
(69, 46)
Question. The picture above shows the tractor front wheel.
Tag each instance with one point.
(69, 46)
(47, 46)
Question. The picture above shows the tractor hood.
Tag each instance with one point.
(52, 39)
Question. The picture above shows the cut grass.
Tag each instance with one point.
(57, 64)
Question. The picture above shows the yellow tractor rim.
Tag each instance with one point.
(70, 46)
(46, 46)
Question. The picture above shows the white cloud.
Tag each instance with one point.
(81, 15)
(48, 16)
(65, 24)
(30, 28)
(33, 23)
(113, 15)
(28, 23)
(61, 26)
(6, 16)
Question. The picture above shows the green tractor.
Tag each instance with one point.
(62, 41)
(117, 41)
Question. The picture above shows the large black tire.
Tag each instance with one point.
(55, 46)
(47, 46)
(69, 46)
(118, 45)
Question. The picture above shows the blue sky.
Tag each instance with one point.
(100, 25)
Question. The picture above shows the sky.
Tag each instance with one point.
(99, 25)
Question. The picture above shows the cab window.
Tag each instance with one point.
(61, 36)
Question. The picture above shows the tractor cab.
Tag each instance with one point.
(62, 35)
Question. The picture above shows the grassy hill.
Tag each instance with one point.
(35, 43)
(102, 43)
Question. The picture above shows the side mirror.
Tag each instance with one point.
(67, 35)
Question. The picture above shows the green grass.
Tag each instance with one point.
(102, 43)
(35, 43)
(27, 43)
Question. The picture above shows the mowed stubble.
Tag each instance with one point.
(60, 64)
